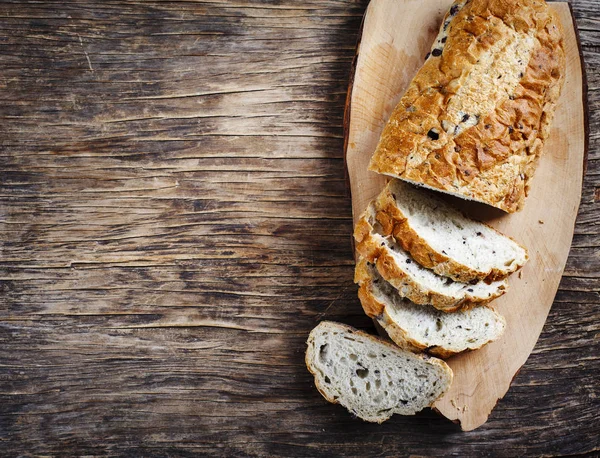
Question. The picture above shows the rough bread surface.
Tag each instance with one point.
(441, 238)
(474, 119)
(422, 327)
(413, 281)
(372, 378)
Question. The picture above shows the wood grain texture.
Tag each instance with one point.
(394, 38)
(174, 221)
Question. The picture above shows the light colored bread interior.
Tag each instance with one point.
(422, 327)
(440, 237)
(373, 379)
(413, 281)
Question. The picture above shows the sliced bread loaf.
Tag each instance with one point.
(413, 281)
(441, 238)
(372, 378)
(422, 327)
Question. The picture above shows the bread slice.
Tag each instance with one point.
(372, 378)
(441, 238)
(413, 281)
(422, 327)
(474, 119)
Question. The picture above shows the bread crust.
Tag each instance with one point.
(309, 356)
(369, 248)
(395, 223)
(493, 160)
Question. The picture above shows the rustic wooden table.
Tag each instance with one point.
(174, 221)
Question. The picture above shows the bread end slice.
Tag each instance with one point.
(372, 378)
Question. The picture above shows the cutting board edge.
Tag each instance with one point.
(584, 97)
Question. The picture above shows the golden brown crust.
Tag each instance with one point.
(395, 223)
(491, 161)
(372, 307)
(362, 234)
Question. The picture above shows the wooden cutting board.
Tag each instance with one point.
(396, 35)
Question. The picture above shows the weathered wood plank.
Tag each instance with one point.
(174, 221)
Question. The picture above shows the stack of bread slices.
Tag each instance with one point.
(426, 275)
(472, 123)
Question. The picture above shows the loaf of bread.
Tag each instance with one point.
(423, 327)
(413, 281)
(441, 238)
(372, 378)
(473, 121)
